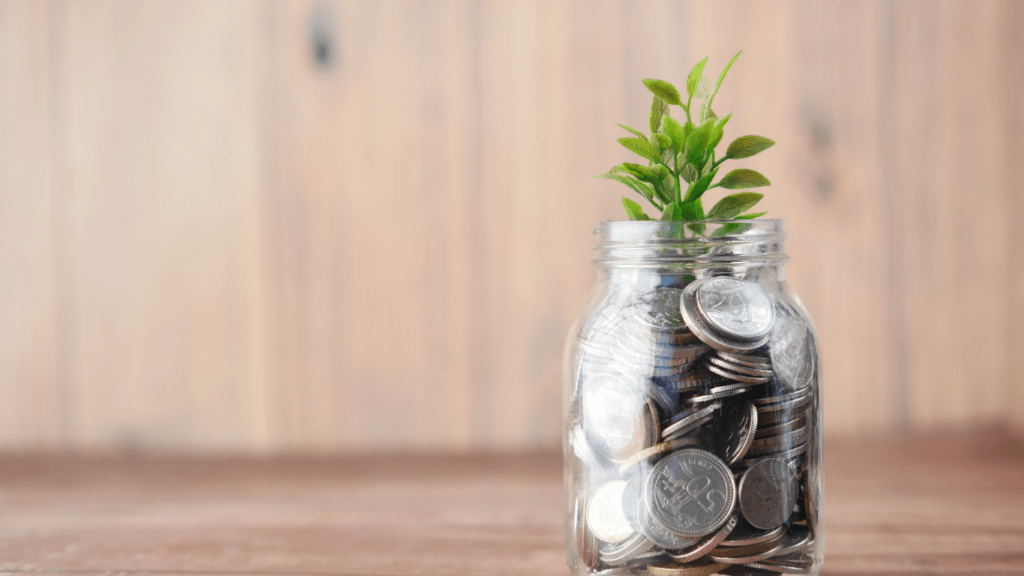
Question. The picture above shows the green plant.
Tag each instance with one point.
(679, 152)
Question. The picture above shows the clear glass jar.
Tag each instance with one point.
(692, 411)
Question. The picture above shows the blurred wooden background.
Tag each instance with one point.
(263, 226)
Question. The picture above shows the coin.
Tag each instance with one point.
(737, 376)
(604, 513)
(745, 559)
(731, 434)
(657, 449)
(767, 493)
(746, 537)
(739, 368)
(719, 392)
(690, 418)
(704, 331)
(616, 418)
(688, 429)
(659, 309)
(781, 428)
(792, 352)
(586, 543)
(706, 545)
(699, 568)
(780, 566)
(748, 360)
(631, 496)
(690, 492)
(736, 308)
(798, 539)
(790, 397)
(624, 552)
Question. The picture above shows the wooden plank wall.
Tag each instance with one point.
(313, 225)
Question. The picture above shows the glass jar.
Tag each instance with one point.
(692, 411)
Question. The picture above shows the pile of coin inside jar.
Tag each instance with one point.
(691, 416)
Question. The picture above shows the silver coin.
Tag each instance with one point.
(731, 434)
(616, 417)
(719, 392)
(743, 537)
(660, 535)
(631, 497)
(585, 542)
(748, 360)
(622, 553)
(705, 332)
(690, 418)
(739, 368)
(798, 539)
(789, 397)
(790, 454)
(767, 493)
(690, 492)
(736, 308)
(781, 566)
(792, 352)
(778, 443)
(604, 513)
(737, 376)
(680, 433)
(781, 429)
(746, 559)
(659, 309)
(706, 545)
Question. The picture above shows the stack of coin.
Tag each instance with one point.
(692, 416)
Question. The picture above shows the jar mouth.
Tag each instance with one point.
(654, 244)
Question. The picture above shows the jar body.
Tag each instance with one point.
(692, 412)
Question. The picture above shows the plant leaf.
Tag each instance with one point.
(640, 188)
(693, 210)
(672, 212)
(633, 210)
(722, 76)
(734, 205)
(750, 216)
(633, 130)
(663, 142)
(674, 130)
(663, 90)
(641, 147)
(641, 172)
(747, 146)
(689, 173)
(697, 143)
(718, 131)
(658, 109)
(698, 188)
(693, 80)
(743, 178)
(730, 229)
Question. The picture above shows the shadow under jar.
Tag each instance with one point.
(692, 410)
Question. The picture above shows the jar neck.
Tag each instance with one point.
(685, 246)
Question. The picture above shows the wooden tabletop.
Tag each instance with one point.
(941, 504)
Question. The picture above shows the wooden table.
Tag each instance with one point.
(943, 504)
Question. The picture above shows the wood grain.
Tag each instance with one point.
(939, 504)
(354, 225)
(159, 132)
(30, 392)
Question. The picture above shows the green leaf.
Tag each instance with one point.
(641, 147)
(641, 172)
(664, 184)
(633, 210)
(743, 178)
(697, 143)
(718, 131)
(672, 212)
(658, 109)
(689, 173)
(663, 90)
(693, 80)
(734, 205)
(722, 76)
(698, 188)
(674, 130)
(750, 216)
(692, 210)
(640, 188)
(633, 130)
(730, 229)
(703, 89)
(662, 141)
(747, 146)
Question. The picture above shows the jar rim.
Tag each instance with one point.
(655, 243)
